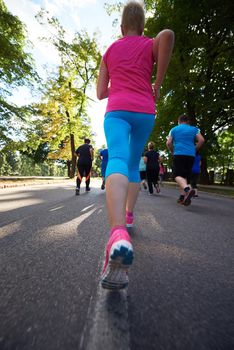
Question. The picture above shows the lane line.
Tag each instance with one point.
(107, 324)
(110, 329)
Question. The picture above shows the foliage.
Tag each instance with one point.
(14, 164)
(60, 120)
(199, 78)
(59, 116)
(224, 155)
(97, 162)
(201, 60)
(16, 69)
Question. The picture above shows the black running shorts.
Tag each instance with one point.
(182, 166)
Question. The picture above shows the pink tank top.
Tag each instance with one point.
(130, 61)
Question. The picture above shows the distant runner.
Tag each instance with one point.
(142, 169)
(196, 169)
(104, 158)
(84, 164)
(151, 159)
(183, 142)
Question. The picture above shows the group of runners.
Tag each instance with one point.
(182, 141)
(125, 80)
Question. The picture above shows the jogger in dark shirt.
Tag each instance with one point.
(84, 164)
(151, 159)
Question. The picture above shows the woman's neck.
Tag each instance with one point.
(131, 33)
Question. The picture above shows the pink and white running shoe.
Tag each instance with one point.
(119, 256)
(157, 188)
(129, 219)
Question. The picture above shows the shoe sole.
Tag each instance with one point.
(187, 200)
(115, 276)
(157, 189)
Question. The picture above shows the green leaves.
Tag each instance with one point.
(199, 79)
(64, 102)
(16, 69)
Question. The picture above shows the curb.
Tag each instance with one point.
(22, 183)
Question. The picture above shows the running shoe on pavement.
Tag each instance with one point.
(180, 200)
(188, 196)
(119, 257)
(157, 188)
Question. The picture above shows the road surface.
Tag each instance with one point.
(52, 243)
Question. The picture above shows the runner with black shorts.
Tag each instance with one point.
(84, 164)
(183, 142)
(151, 159)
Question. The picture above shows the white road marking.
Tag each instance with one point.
(110, 329)
(107, 321)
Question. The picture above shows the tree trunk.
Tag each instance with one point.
(229, 177)
(204, 176)
(191, 109)
(68, 168)
(73, 162)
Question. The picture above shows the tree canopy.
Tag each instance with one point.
(16, 69)
(62, 113)
(199, 79)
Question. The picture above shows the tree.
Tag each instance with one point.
(61, 123)
(80, 61)
(223, 159)
(199, 78)
(16, 69)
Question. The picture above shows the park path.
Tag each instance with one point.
(52, 245)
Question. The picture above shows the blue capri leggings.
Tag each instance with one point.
(126, 135)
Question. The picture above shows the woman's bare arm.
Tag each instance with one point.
(103, 81)
(169, 144)
(162, 50)
(199, 141)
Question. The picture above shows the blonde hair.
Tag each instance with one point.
(151, 145)
(133, 17)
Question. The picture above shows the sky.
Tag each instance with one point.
(74, 15)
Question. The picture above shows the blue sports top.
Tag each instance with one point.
(104, 155)
(184, 137)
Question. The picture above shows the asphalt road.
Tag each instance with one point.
(180, 295)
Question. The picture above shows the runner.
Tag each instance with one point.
(152, 168)
(142, 169)
(161, 173)
(104, 159)
(181, 143)
(84, 164)
(196, 169)
(129, 119)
